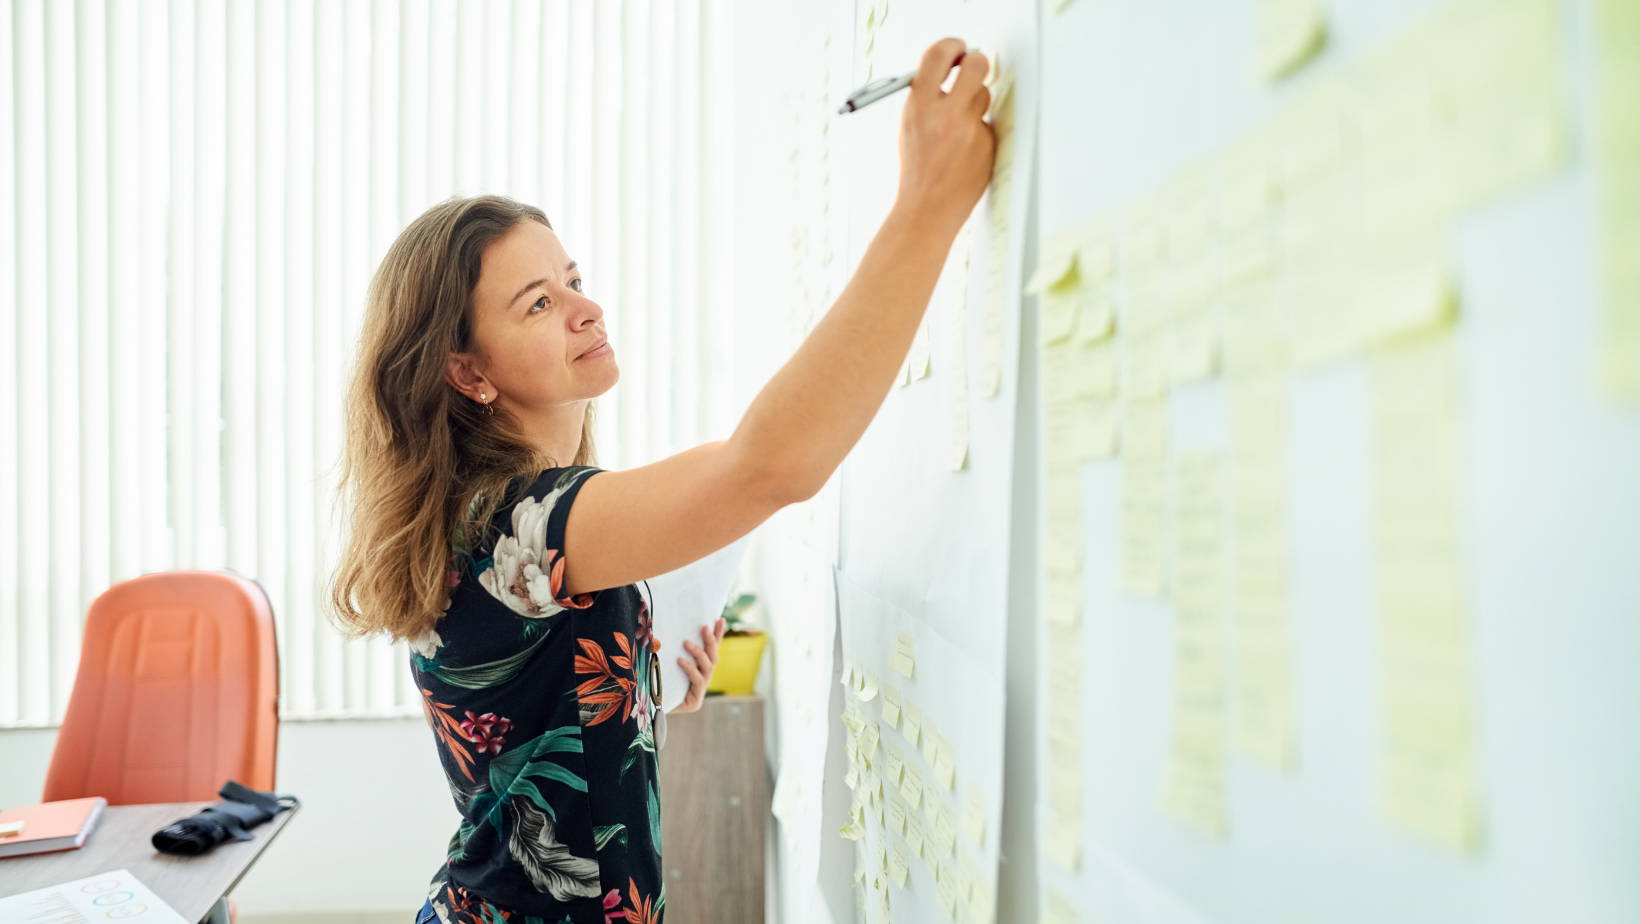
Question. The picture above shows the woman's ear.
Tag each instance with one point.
(460, 372)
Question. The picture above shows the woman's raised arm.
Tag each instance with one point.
(633, 524)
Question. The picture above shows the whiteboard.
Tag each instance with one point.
(1135, 91)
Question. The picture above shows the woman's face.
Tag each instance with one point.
(539, 341)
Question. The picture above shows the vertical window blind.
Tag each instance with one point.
(198, 192)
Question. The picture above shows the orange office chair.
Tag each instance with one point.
(177, 692)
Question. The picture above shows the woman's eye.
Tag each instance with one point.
(539, 303)
(575, 284)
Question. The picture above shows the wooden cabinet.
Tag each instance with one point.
(715, 793)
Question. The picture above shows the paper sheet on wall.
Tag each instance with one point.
(932, 476)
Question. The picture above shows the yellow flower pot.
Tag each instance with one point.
(739, 656)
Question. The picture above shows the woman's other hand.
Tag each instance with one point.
(700, 669)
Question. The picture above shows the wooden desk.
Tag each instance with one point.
(190, 885)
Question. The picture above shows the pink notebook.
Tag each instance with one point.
(50, 826)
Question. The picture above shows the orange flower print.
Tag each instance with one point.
(641, 910)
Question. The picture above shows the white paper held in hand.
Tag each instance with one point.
(681, 602)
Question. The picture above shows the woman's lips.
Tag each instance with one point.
(601, 349)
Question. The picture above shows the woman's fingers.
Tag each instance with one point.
(698, 666)
(697, 682)
(937, 62)
(971, 75)
(981, 103)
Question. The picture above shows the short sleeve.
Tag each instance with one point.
(527, 570)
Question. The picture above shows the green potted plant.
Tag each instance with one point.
(741, 651)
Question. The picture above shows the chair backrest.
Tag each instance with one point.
(177, 692)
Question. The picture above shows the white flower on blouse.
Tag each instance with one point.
(517, 578)
(427, 644)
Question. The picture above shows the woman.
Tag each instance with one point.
(512, 574)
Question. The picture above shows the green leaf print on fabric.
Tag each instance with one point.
(481, 676)
(458, 842)
(602, 835)
(655, 819)
(642, 743)
(515, 772)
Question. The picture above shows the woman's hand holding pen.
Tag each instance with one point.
(946, 146)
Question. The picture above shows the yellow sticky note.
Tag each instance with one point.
(1407, 298)
(911, 724)
(919, 361)
(894, 767)
(1060, 308)
(865, 686)
(1095, 317)
(946, 895)
(973, 819)
(898, 868)
(911, 788)
(894, 815)
(1064, 547)
(891, 707)
(1145, 500)
(1195, 348)
(1290, 32)
(1064, 842)
(903, 664)
(1080, 371)
(945, 768)
(1064, 601)
(1056, 270)
(1059, 910)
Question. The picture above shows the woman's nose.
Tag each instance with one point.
(586, 312)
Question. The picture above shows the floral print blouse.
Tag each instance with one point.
(542, 716)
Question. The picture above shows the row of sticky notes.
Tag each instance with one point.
(956, 452)
(1262, 728)
(1062, 796)
(996, 301)
(1430, 782)
(1195, 784)
(893, 793)
(1326, 230)
(1082, 423)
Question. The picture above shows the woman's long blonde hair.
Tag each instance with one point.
(424, 467)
